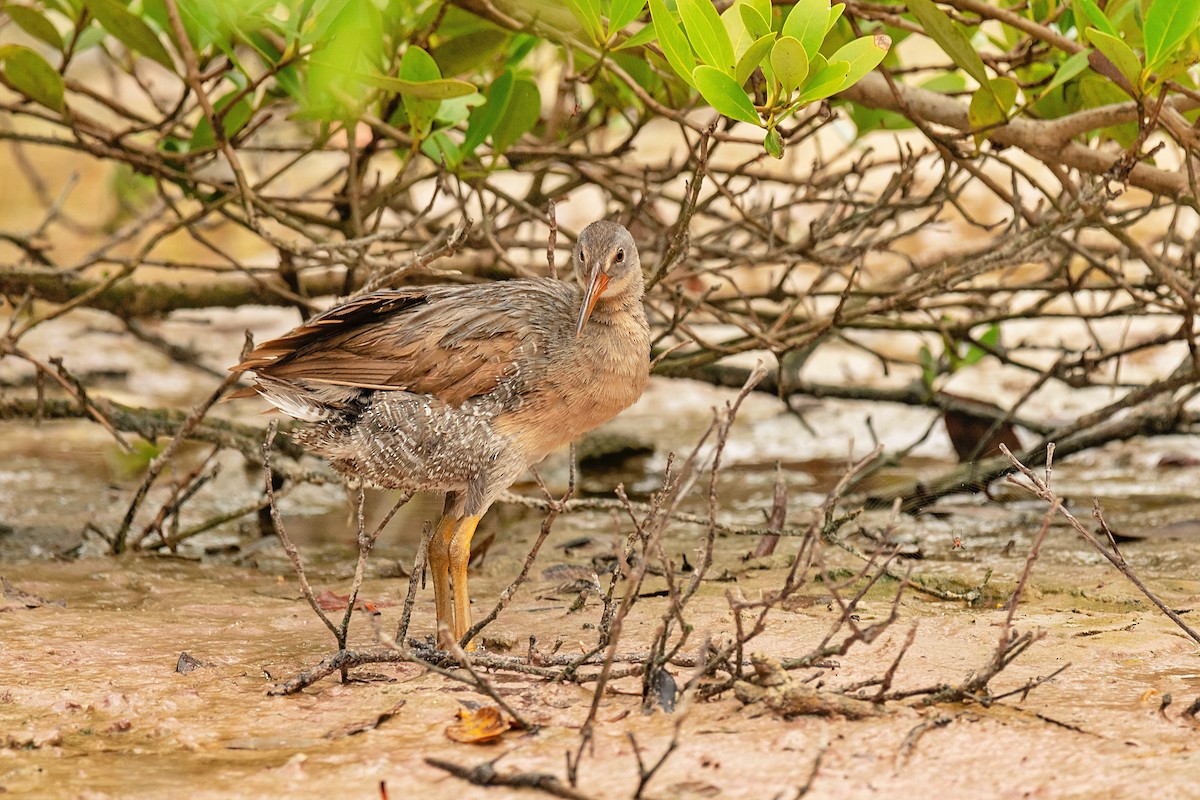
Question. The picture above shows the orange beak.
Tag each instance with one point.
(595, 288)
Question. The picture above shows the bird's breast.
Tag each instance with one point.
(576, 388)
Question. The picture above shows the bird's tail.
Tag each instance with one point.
(306, 402)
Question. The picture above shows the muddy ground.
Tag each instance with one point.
(92, 704)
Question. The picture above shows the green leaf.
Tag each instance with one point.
(32, 76)
(707, 35)
(347, 55)
(1094, 15)
(623, 12)
(807, 22)
(863, 55)
(61, 6)
(755, 22)
(824, 83)
(735, 29)
(418, 66)
(868, 119)
(129, 30)
(1096, 91)
(440, 147)
(1119, 53)
(735, 25)
(990, 340)
(486, 117)
(790, 63)
(458, 109)
(753, 57)
(950, 38)
(673, 41)
(1168, 23)
(35, 24)
(130, 464)
(645, 73)
(644, 36)
(990, 106)
(522, 113)
(835, 14)
(522, 44)
(723, 94)
(929, 370)
(1068, 70)
(773, 144)
(468, 52)
(233, 119)
(588, 13)
(428, 90)
(946, 83)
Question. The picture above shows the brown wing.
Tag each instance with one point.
(450, 342)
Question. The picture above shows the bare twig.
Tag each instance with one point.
(1041, 489)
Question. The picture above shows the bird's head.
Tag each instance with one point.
(606, 263)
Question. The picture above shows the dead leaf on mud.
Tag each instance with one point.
(483, 725)
(15, 599)
(329, 601)
(788, 696)
(187, 663)
(695, 789)
(363, 726)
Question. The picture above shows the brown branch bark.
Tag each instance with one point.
(1049, 141)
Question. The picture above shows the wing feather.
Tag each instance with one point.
(450, 342)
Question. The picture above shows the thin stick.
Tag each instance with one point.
(551, 240)
(414, 577)
(1039, 488)
(556, 508)
(485, 775)
(288, 546)
(365, 543)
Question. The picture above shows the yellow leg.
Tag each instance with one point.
(439, 566)
(460, 554)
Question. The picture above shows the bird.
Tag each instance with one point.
(460, 389)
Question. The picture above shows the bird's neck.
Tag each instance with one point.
(626, 304)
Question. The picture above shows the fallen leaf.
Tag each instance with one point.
(187, 663)
(355, 728)
(482, 725)
(695, 789)
(329, 601)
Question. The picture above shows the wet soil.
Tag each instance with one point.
(92, 705)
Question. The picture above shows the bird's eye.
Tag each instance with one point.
(620, 256)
